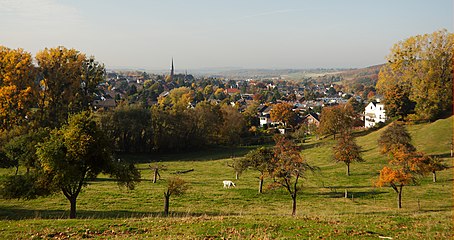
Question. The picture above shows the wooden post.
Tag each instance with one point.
(346, 194)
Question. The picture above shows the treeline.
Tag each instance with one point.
(133, 128)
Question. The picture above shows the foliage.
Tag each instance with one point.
(408, 164)
(347, 151)
(336, 119)
(393, 137)
(261, 160)
(419, 70)
(17, 87)
(78, 152)
(129, 127)
(283, 112)
(28, 186)
(175, 186)
(68, 80)
(21, 150)
(288, 167)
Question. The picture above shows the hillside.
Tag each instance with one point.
(208, 211)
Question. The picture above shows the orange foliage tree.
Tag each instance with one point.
(408, 164)
(289, 167)
(347, 151)
(336, 119)
(282, 112)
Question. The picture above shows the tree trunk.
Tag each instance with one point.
(72, 212)
(155, 175)
(434, 176)
(261, 184)
(236, 175)
(166, 204)
(294, 205)
(399, 197)
(348, 169)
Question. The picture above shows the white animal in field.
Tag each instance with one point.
(228, 184)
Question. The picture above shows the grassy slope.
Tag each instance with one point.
(208, 210)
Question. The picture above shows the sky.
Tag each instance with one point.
(198, 34)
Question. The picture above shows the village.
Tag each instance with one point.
(307, 97)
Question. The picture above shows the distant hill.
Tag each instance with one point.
(366, 76)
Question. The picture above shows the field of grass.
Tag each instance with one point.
(208, 211)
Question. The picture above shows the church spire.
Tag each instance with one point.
(171, 71)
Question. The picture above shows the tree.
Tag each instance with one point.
(347, 151)
(233, 125)
(239, 165)
(260, 159)
(175, 186)
(21, 150)
(434, 165)
(336, 119)
(419, 67)
(282, 112)
(406, 165)
(78, 152)
(68, 81)
(129, 128)
(395, 136)
(17, 87)
(289, 167)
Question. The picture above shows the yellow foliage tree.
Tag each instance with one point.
(17, 88)
(419, 71)
(61, 70)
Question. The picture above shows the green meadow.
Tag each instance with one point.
(209, 211)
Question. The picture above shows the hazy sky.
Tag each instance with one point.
(222, 33)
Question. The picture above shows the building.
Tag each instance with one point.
(374, 113)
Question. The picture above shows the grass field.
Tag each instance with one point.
(208, 211)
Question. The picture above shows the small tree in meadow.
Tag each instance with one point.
(260, 159)
(175, 186)
(289, 167)
(347, 151)
(395, 134)
(405, 168)
(434, 165)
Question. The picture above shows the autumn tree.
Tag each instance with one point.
(289, 168)
(233, 125)
(405, 166)
(336, 119)
(175, 186)
(261, 160)
(68, 81)
(419, 70)
(78, 152)
(283, 112)
(395, 135)
(347, 151)
(17, 87)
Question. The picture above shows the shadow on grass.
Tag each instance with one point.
(339, 192)
(20, 214)
(443, 155)
(207, 154)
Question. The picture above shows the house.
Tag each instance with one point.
(265, 118)
(312, 119)
(374, 113)
(232, 91)
(104, 104)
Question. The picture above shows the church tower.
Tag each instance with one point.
(171, 72)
